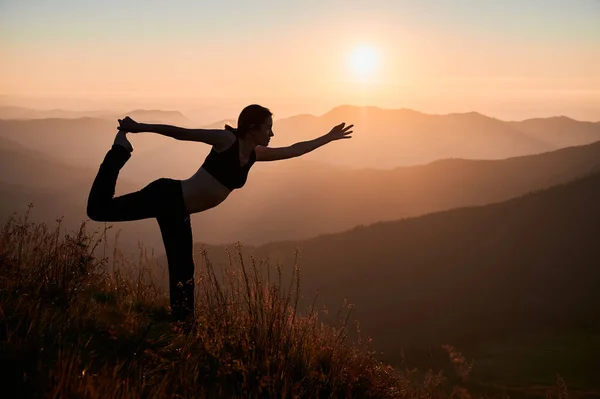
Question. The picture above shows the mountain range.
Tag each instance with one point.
(383, 139)
(148, 115)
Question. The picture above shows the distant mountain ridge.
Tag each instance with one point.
(386, 138)
(149, 115)
(559, 131)
(383, 139)
(156, 116)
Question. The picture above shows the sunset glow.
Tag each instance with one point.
(507, 60)
(364, 61)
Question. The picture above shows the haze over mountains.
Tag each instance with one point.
(390, 138)
(298, 198)
(383, 139)
(151, 116)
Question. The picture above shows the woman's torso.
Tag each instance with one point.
(202, 191)
(220, 174)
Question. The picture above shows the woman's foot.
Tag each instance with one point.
(121, 139)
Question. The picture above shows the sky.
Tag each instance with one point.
(509, 59)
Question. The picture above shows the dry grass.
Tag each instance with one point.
(74, 325)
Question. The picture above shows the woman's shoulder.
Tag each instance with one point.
(227, 143)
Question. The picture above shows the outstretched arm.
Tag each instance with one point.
(214, 137)
(301, 148)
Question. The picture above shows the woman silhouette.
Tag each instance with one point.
(171, 202)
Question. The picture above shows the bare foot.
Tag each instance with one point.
(121, 139)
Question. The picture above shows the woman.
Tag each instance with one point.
(171, 202)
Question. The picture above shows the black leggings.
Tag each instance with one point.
(162, 199)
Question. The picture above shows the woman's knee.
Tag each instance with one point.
(97, 211)
(96, 214)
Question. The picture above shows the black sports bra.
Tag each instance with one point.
(225, 166)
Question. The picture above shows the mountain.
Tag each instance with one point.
(83, 142)
(559, 131)
(221, 124)
(31, 168)
(74, 141)
(391, 138)
(155, 116)
(148, 116)
(386, 138)
(11, 112)
(471, 273)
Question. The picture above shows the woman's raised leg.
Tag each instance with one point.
(101, 206)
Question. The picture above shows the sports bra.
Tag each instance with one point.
(225, 166)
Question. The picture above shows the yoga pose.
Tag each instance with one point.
(171, 202)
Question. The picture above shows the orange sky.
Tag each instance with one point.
(512, 61)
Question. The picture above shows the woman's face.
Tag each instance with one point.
(263, 133)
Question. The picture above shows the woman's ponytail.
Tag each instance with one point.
(251, 116)
(231, 129)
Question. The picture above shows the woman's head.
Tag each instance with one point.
(255, 122)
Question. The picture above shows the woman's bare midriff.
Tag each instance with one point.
(202, 191)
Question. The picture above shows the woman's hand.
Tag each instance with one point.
(340, 132)
(129, 125)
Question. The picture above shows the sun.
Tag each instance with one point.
(364, 61)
